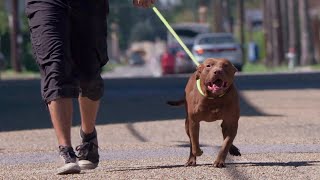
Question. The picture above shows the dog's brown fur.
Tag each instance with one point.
(211, 107)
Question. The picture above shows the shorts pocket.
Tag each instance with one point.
(102, 52)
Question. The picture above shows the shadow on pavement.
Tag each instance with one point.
(186, 144)
(244, 164)
(131, 100)
(284, 164)
(145, 168)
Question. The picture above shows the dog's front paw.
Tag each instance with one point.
(192, 161)
(234, 151)
(219, 164)
(197, 152)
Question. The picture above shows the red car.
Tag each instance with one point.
(168, 63)
(175, 60)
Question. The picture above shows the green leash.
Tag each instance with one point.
(175, 35)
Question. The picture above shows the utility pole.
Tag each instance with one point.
(14, 31)
(240, 25)
(267, 26)
(284, 23)
(227, 14)
(277, 40)
(293, 32)
(202, 12)
(307, 49)
(217, 16)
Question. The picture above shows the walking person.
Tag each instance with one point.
(69, 43)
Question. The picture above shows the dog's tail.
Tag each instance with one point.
(176, 103)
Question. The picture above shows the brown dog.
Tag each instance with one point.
(210, 95)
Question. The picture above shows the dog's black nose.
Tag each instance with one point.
(218, 71)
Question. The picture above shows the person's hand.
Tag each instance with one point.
(143, 3)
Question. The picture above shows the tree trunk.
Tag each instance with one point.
(293, 46)
(284, 24)
(277, 40)
(307, 49)
(227, 14)
(240, 25)
(267, 26)
(217, 16)
(316, 32)
(14, 32)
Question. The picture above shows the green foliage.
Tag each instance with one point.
(186, 15)
(3, 19)
(316, 67)
(142, 31)
(261, 68)
(10, 74)
(28, 61)
(129, 19)
(258, 38)
(3, 22)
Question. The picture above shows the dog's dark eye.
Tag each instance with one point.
(208, 65)
(225, 65)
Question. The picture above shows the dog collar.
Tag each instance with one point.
(201, 92)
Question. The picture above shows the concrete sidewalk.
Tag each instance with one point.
(283, 143)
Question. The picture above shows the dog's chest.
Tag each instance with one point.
(210, 113)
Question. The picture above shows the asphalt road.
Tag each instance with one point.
(142, 138)
(133, 99)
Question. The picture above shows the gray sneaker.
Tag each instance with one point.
(88, 151)
(70, 161)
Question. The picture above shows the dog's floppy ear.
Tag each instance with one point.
(234, 69)
(199, 70)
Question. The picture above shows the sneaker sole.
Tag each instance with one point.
(70, 168)
(85, 164)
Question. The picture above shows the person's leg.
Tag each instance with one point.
(89, 52)
(88, 112)
(88, 150)
(49, 28)
(61, 117)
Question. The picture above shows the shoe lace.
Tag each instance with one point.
(84, 148)
(67, 155)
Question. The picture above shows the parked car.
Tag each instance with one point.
(175, 60)
(218, 45)
(167, 62)
(183, 63)
(136, 58)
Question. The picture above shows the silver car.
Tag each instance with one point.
(218, 45)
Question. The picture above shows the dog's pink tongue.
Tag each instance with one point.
(213, 88)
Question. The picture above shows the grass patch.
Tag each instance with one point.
(10, 74)
(316, 67)
(110, 66)
(261, 68)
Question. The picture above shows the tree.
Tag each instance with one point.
(14, 32)
(293, 28)
(267, 29)
(227, 14)
(307, 49)
(240, 24)
(277, 39)
(142, 31)
(217, 16)
(284, 23)
(273, 33)
(3, 19)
